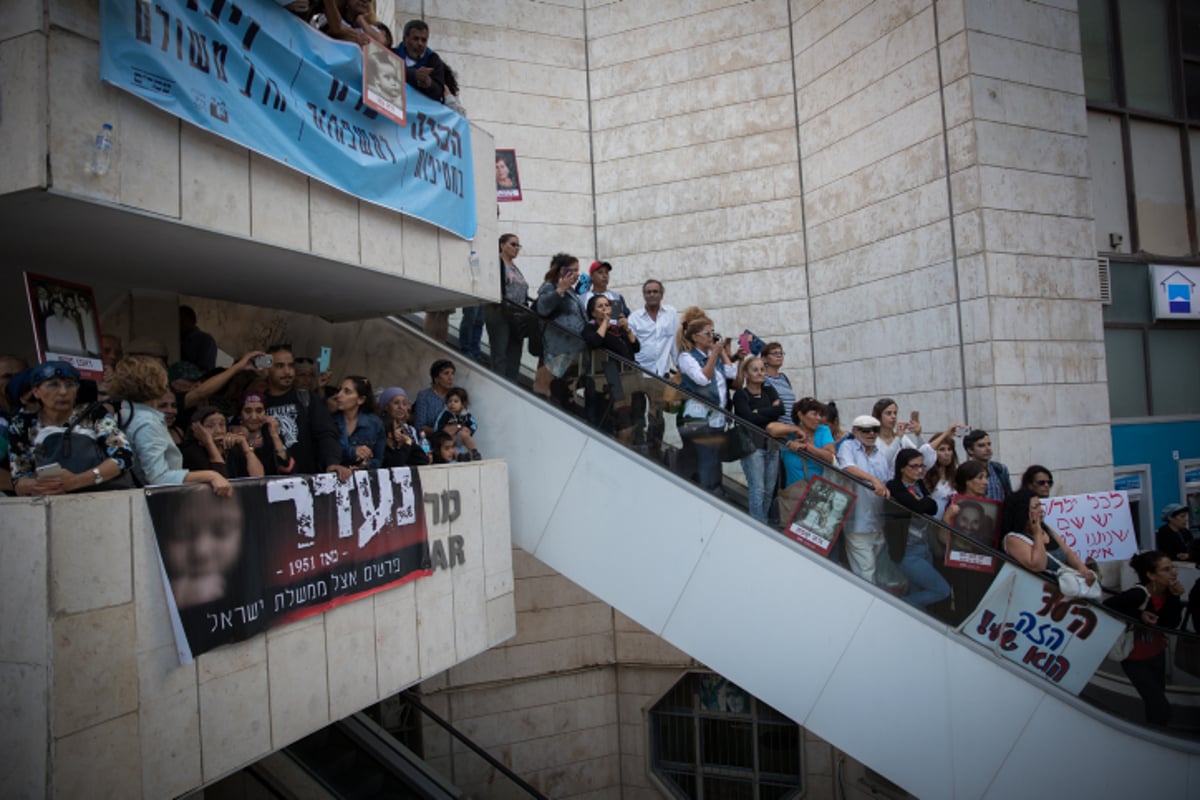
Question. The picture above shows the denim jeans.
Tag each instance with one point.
(470, 331)
(708, 466)
(762, 469)
(925, 584)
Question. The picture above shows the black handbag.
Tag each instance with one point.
(737, 444)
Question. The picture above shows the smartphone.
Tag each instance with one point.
(263, 361)
(51, 470)
(914, 416)
(744, 342)
(323, 360)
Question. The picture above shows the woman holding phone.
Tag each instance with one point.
(41, 464)
(558, 302)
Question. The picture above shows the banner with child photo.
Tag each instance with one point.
(281, 549)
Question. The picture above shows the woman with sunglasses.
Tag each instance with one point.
(44, 463)
(908, 537)
(1039, 480)
(509, 323)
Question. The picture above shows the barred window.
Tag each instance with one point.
(710, 739)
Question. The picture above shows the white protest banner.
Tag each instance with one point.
(1029, 622)
(1093, 525)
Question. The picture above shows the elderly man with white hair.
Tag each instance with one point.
(860, 457)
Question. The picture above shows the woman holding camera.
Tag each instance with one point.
(706, 366)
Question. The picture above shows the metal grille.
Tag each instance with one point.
(711, 740)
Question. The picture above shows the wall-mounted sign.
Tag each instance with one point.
(1175, 291)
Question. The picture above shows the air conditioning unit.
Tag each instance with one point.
(1104, 281)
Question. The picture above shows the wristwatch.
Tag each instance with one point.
(97, 476)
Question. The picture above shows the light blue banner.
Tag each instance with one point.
(258, 76)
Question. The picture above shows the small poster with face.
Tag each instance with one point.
(66, 325)
(820, 515)
(978, 520)
(508, 182)
(383, 82)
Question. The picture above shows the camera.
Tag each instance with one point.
(263, 361)
(716, 337)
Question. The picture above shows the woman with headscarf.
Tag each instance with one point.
(61, 448)
(405, 445)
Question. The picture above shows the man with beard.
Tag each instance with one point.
(305, 426)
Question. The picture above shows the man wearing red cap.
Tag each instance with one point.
(599, 272)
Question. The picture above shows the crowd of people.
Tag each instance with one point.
(356, 21)
(796, 438)
(270, 413)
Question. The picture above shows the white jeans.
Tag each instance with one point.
(862, 548)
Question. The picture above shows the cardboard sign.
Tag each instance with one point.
(1095, 526)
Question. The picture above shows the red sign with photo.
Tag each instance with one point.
(978, 519)
(820, 515)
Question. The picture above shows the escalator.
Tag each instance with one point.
(899, 689)
(362, 758)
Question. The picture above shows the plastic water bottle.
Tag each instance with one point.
(102, 151)
(473, 263)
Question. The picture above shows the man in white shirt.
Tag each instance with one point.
(655, 326)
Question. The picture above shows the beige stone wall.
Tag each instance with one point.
(1019, 153)
(523, 70)
(707, 117)
(93, 696)
(696, 160)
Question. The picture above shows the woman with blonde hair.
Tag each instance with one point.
(156, 460)
(758, 403)
(706, 367)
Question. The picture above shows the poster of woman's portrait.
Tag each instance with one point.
(508, 182)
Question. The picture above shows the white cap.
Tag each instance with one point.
(866, 421)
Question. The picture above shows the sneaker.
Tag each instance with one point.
(475, 456)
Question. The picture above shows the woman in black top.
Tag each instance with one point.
(1154, 601)
(908, 534)
(758, 403)
(602, 332)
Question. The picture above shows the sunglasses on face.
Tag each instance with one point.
(869, 430)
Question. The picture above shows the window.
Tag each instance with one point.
(1149, 361)
(710, 739)
(1141, 66)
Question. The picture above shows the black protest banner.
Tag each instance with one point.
(284, 548)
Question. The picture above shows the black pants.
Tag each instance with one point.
(1149, 677)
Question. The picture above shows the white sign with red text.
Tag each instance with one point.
(1095, 525)
(1027, 621)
